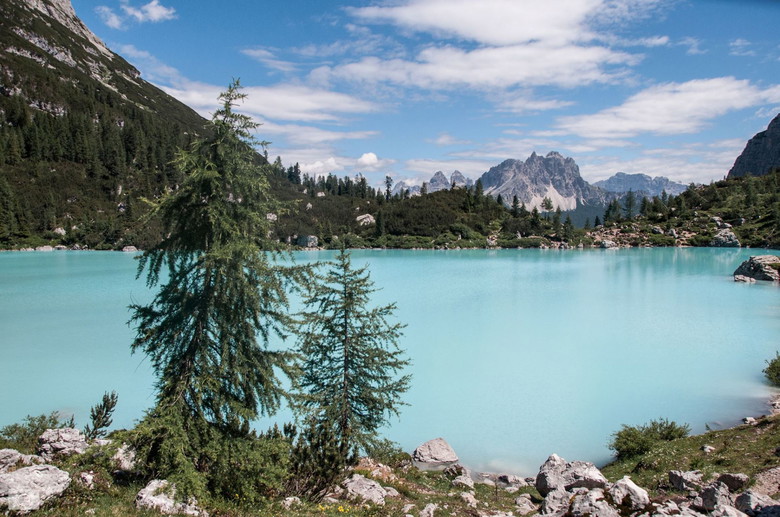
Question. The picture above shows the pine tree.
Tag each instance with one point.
(352, 360)
(206, 331)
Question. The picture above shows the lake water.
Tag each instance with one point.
(516, 353)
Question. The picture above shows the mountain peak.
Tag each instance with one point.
(761, 154)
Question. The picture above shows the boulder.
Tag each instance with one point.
(160, 495)
(725, 238)
(289, 502)
(683, 481)
(25, 490)
(307, 241)
(9, 458)
(607, 244)
(752, 502)
(555, 502)
(628, 494)
(362, 488)
(735, 482)
(469, 499)
(760, 267)
(429, 510)
(591, 502)
(715, 495)
(54, 443)
(365, 219)
(525, 504)
(463, 481)
(435, 452)
(124, 458)
(130, 249)
(558, 473)
(727, 511)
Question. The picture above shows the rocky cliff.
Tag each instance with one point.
(536, 178)
(761, 154)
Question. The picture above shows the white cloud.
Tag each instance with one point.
(152, 68)
(741, 47)
(109, 17)
(368, 160)
(446, 140)
(151, 12)
(670, 108)
(694, 46)
(268, 58)
(525, 103)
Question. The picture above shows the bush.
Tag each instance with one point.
(24, 436)
(633, 441)
(772, 370)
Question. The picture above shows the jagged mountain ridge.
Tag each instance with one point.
(552, 176)
(761, 154)
(437, 182)
(641, 184)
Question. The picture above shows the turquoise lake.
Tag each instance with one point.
(516, 353)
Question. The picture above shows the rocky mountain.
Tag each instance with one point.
(641, 184)
(761, 154)
(437, 182)
(539, 177)
(82, 136)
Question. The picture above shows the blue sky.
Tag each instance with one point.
(409, 87)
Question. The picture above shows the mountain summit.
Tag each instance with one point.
(552, 176)
(641, 183)
(761, 154)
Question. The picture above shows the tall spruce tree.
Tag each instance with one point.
(351, 374)
(207, 329)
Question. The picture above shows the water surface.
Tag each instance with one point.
(516, 353)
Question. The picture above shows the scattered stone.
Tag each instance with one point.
(752, 502)
(512, 489)
(760, 267)
(391, 492)
(767, 482)
(54, 443)
(591, 502)
(59, 231)
(308, 241)
(727, 511)
(512, 480)
(289, 502)
(607, 244)
(435, 452)
(160, 495)
(707, 449)
(457, 470)
(735, 482)
(44, 248)
(360, 487)
(749, 420)
(558, 473)
(87, 479)
(407, 508)
(429, 510)
(365, 219)
(725, 238)
(25, 490)
(627, 493)
(10, 458)
(682, 481)
(469, 499)
(744, 279)
(377, 470)
(556, 501)
(463, 481)
(60, 247)
(657, 230)
(130, 249)
(124, 458)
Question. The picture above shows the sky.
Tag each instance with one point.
(404, 88)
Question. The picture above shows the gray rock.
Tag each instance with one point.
(761, 153)
(556, 502)
(436, 451)
(707, 449)
(25, 490)
(735, 482)
(558, 473)
(760, 267)
(307, 241)
(725, 238)
(463, 481)
(160, 495)
(87, 480)
(456, 470)
(289, 502)
(752, 502)
(727, 511)
(124, 458)
(682, 481)
(525, 504)
(745, 279)
(9, 458)
(469, 499)
(361, 488)
(130, 249)
(55, 443)
(592, 502)
(429, 510)
(627, 493)
(607, 244)
(511, 480)
(365, 219)
(715, 495)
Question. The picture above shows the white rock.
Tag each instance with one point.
(61, 442)
(463, 481)
(436, 451)
(429, 510)
(124, 458)
(469, 499)
(10, 458)
(360, 487)
(160, 495)
(682, 481)
(592, 502)
(289, 502)
(525, 505)
(627, 493)
(25, 490)
(558, 473)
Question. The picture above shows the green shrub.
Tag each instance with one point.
(772, 370)
(24, 436)
(633, 441)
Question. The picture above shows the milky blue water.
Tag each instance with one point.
(516, 353)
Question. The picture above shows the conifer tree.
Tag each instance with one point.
(206, 330)
(351, 371)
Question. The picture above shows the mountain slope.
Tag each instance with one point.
(82, 137)
(761, 154)
(641, 183)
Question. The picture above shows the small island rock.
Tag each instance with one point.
(760, 267)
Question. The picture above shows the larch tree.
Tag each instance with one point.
(352, 372)
(221, 293)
